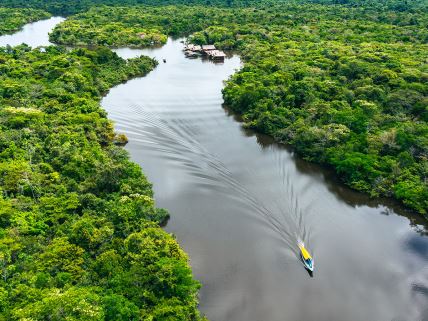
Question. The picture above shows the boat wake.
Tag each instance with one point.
(176, 140)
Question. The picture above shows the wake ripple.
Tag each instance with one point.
(176, 140)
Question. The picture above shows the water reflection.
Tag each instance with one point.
(239, 201)
(33, 34)
(330, 179)
(217, 179)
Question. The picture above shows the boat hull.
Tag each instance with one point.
(309, 267)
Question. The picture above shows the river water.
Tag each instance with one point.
(33, 34)
(240, 202)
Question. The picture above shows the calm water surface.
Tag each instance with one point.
(239, 203)
(33, 34)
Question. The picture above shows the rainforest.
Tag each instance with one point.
(12, 20)
(346, 86)
(80, 236)
(342, 83)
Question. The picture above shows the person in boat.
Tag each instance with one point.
(307, 259)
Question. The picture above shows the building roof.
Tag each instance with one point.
(208, 47)
(217, 53)
(192, 47)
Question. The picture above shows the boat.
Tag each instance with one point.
(306, 258)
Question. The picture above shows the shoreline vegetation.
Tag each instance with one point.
(12, 20)
(346, 86)
(80, 236)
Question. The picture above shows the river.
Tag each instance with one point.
(33, 34)
(239, 203)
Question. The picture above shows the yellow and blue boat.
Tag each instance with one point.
(306, 258)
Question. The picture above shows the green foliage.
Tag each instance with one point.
(60, 7)
(137, 26)
(118, 308)
(229, 28)
(346, 85)
(82, 303)
(124, 27)
(346, 103)
(356, 103)
(13, 19)
(79, 231)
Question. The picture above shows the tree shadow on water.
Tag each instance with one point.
(328, 177)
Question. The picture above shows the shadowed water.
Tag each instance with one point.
(239, 203)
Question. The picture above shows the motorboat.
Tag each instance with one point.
(306, 258)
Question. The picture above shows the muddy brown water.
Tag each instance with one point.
(239, 203)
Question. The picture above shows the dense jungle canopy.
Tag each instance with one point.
(12, 19)
(344, 82)
(79, 232)
(60, 7)
(346, 86)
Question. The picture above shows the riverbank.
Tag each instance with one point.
(12, 20)
(350, 101)
(224, 185)
(79, 230)
(177, 130)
